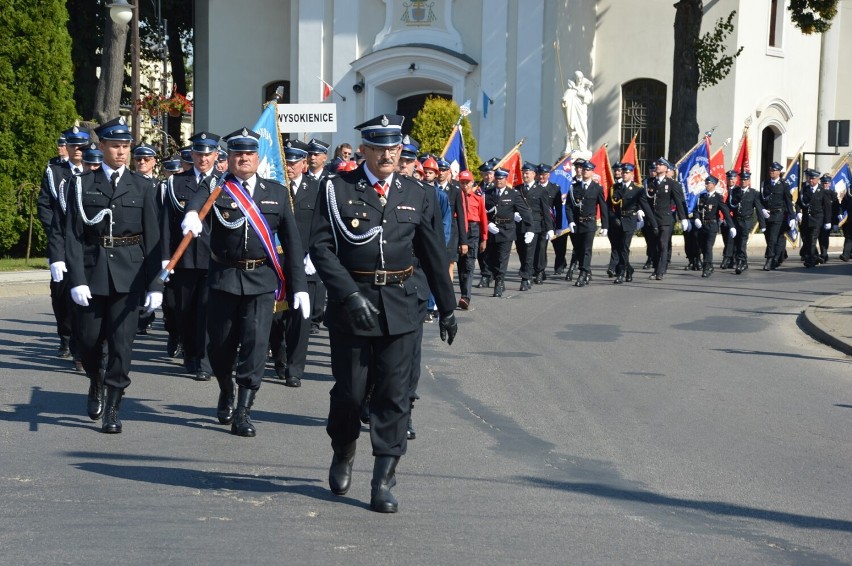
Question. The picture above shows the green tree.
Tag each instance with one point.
(812, 16)
(433, 125)
(36, 104)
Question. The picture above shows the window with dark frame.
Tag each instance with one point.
(773, 23)
(643, 114)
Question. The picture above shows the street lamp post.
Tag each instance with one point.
(121, 13)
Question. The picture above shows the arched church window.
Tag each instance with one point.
(643, 113)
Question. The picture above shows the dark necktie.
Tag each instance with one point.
(293, 189)
(77, 170)
(114, 179)
(246, 187)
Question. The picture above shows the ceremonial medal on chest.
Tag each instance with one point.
(383, 201)
(355, 222)
(226, 215)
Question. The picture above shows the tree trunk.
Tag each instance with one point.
(108, 93)
(683, 122)
(179, 77)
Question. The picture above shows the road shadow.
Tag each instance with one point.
(712, 507)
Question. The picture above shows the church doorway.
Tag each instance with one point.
(411, 105)
(767, 150)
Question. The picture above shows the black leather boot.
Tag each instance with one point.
(384, 478)
(581, 279)
(768, 265)
(570, 275)
(225, 406)
(498, 288)
(629, 277)
(539, 278)
(95, 401)
(111, 424)
(242, 425)
(340, 472)
(484, 281)
(619, 278)
(64, 350)
(525, 284)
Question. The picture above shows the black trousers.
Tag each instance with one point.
(538, 249)
(623, 238)
(526, 252)
(691, 248)
(809, 231)
(576, 247)
(498, 257)
(560, 252)
(318, 307)
(728, 247)
(416, 356)
(387, 359)
(822, 240)
(775, 238)
(111, 319)
(191, 300)
(847, 239)
(467, 263)
(170, 322)
(707, 239)
(297, 332)
(740, 242)
(63, 307)
(238, 329)
(613, 245)
(661, 249)
(583, 249)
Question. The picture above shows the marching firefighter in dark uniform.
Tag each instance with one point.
(728, 253)
(112, 239)
(485, 185)
(290, 332)
(56, 185)
(613, 243)
(813, 214)
(189, 280)
(628, 201)
(706, 221)
(744, 204)
(532, 255)
(556, 209)
(246, 275)
(505, 207)
(371, 227)
(585, 200)
(662, 193)
(777, 210)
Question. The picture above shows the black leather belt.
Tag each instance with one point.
(244, 264)
(116, 242)
(628, 213)
(382, 277)
(585, 218)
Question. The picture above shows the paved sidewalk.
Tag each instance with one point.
(24, 283)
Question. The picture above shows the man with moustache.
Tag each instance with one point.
(372, 225)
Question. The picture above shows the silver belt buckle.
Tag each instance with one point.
(381, 277)
(108, 241)
(250, 264)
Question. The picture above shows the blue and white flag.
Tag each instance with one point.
(455, 153)
(562, 175)
(693, 169)
(792, 178)
(841, 181)
(269, 153)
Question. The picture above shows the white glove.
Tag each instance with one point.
(640, 224)
(604, 231)
(764, 212)
(163, 265)
(549, 235)
(762, 230)
(493, 229)
(684, 225)
(733, 233)
(826, 226)
(798, 217)
(309, 266)
(81, 295)
(57, 268)
(572, 227)
(153, 300)
(191, 223)
(302, 301)
(697, 224)
(518, 217)
(528, 237)
(792, 225)
(640, 215)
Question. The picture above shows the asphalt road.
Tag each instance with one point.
(682, 421)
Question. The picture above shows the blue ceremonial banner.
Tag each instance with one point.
(792, 178)
(841, 180)
(693, 169)
(269, 153)
(562, 175)
(455, 153)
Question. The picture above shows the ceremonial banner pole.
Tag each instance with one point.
(184, 243)
(511, 151)
(707, 135)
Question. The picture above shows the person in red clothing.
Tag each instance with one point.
(477, 234)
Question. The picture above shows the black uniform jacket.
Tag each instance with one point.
(134, 212)
(501, 211)
(581, 207)
(304, 209)
(240, 244)
(708, 207)
(661, 195)
(744, 203)
(777, 199)
(627, 199)
(52, 206)
(815, 204)
(181, 189)
(349, 203)
(538, 200)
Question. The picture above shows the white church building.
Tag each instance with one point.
(386, 56)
